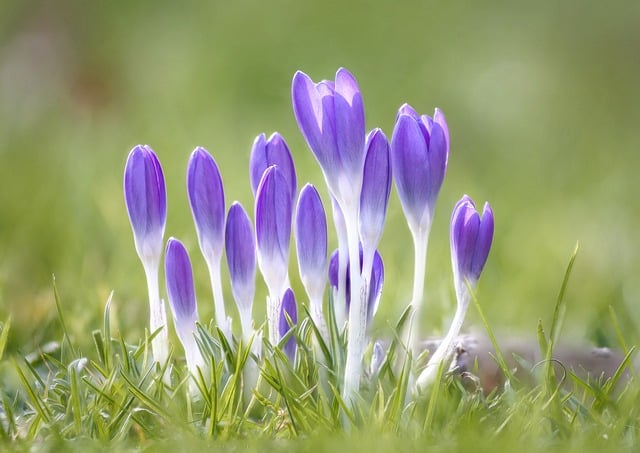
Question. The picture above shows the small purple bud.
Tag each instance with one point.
(288, 306)
(375, 284)
(376, 185)
(206, 196)
(273, 228)
(331, 118)
(311, 241)
(180, 289)
(266, 153)
(241, 256)
(146, 199)
(419, 154)
(471, 237)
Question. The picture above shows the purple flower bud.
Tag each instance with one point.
(419, 154)
(376, 186)
(375, 284)
(206, 196)
(331, 118)
(471, 237)
(311, 242)
(146, 200)
(266, 153)
(288, 306)
(180, 289)
(241, 256)
(273, 228)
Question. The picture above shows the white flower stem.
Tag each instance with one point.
(420, 245)
(357, 311)
(218, 298)
(443, 353)
(273, 311)
(157, 314)
(246, 324)
(315, 308)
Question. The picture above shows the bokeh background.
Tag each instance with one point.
(542, 100)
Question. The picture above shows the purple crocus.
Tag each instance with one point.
(241, 259)
(331, 118)
(146, 200)
(267, 152)
(288, 309)
(182, 299)
(471, 237)
(374, 197)
(419, 154)
(273, 212)
(206, 197)
(311, 245)
(375, 283)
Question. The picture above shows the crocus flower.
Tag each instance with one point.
(374, 197)
(206, 197)
(267, 152)
(375, 283)
(182, 299)
(419, 154)
(331, 118)
(311, 246)
(273, 231)
(288, 309)
(146, 200)
(471, 237)
(241, 259)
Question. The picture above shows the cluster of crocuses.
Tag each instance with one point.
(358, 169)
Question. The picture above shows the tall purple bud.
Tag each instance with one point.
(331, 118)
(206, 197)
(273, 231)
(471, 237)
(146, 200)
(289, 310)
(241, 260)
(182, 299)
(311, 246)
(267, 152)
(419, 154)
(374, 197)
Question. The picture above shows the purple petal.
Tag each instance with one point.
(410, 168)
(375, 286)
(483, 242)
(438, 156)
(206, 197)
(311, 240)
(438, 117)
(349, 122)
(315, 115)
(289, 308)
(179, 279)
(266, 153)
(376, 185)
(241, 255)
(146, 200)
(273, 227)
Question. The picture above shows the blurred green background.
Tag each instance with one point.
(542, 101)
